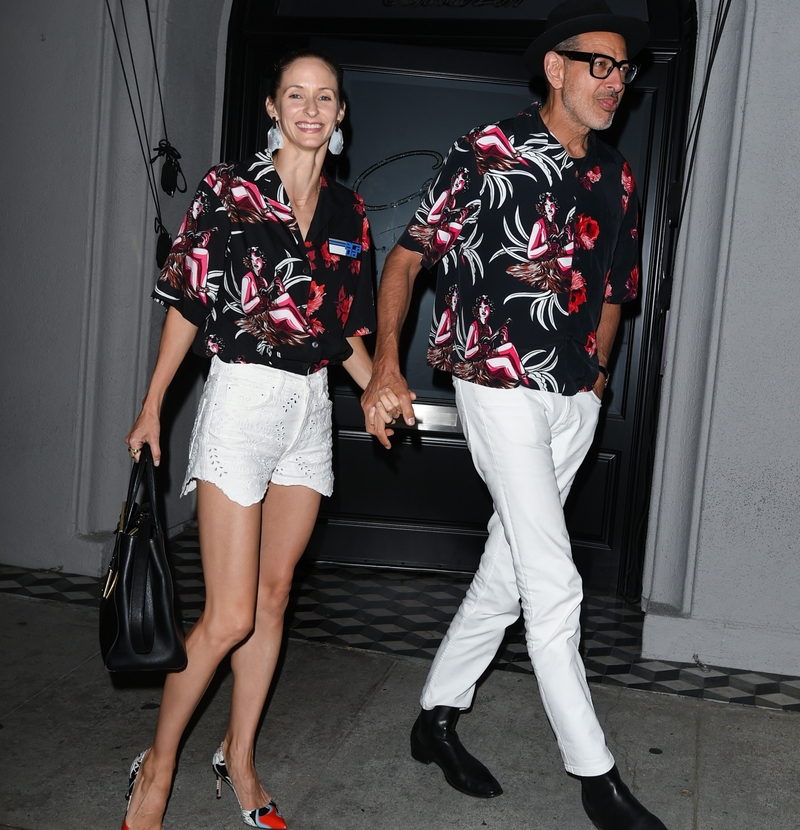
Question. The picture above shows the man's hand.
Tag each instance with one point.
(386, 398)
(600, 385)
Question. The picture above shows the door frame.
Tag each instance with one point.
(257, 30)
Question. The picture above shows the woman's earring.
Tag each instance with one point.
(274, 137)
(336, 142)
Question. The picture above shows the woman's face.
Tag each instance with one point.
(197, 208)
(549, 210)
(454, 299)
(307, 105)
(483, 313)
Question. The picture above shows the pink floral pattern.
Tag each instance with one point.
(240, 270)
(529, 244)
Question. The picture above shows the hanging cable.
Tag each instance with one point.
(679, 190)
(632, 588)
(172, 168)
(164, 239)
(692, 140)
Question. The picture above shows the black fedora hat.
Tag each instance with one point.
(576, 17)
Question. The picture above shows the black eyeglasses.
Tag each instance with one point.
(601, 66)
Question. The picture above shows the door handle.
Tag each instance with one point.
(430, 417)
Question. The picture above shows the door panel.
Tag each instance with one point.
(410, 94)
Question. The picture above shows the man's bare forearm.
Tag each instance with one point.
(387, 387)
(607, 331)
(394, 298)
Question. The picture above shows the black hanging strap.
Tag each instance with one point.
(164, 239)
(172, 167)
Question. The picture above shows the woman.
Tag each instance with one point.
(260, 452)
(549, 251)
(440, 352)
(444, 222)
(489, 352)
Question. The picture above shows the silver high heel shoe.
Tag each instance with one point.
(135, 767)
(268, 817)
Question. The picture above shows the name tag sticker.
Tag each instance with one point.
(342, 248)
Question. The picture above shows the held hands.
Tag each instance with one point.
(385, 399)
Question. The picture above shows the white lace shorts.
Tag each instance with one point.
(256, 424)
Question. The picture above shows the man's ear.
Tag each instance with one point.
(554, 69)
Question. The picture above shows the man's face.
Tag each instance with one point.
(592, 101)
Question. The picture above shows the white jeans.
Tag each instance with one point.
(527, 446)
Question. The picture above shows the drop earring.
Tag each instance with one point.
(274, 136)
(336, 142)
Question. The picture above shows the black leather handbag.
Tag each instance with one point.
(139, 630)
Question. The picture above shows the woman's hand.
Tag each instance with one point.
(146, 430)
(387, 408)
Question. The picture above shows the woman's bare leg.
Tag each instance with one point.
(289, 514)
(229, 547)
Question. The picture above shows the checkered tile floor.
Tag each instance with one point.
(402, 612)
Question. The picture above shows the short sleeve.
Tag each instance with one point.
(361, 320)
(622, 281)
(191, 277)
(446, 208)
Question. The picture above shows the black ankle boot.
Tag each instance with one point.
(433, 738)
(611, 806)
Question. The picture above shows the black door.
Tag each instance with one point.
(410, 94)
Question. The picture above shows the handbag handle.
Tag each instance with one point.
(141, 620)
(143, 469)
(150, 484)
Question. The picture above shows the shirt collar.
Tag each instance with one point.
(261, 170)
(539, 126)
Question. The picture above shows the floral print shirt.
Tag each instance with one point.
(530, 243)
(260, 293)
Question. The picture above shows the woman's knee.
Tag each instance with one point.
(229, 628)
(273, 597)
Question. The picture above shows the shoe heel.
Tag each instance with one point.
(219, 787)
(418, 752)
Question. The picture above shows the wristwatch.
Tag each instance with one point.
(605, 374)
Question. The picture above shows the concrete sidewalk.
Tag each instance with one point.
(334, 746)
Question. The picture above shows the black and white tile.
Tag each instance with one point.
(407, 612)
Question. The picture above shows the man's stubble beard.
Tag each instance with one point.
(583, 114)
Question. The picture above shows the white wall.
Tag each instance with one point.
(77, 257)
(723, 562)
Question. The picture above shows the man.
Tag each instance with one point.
(533, 222)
